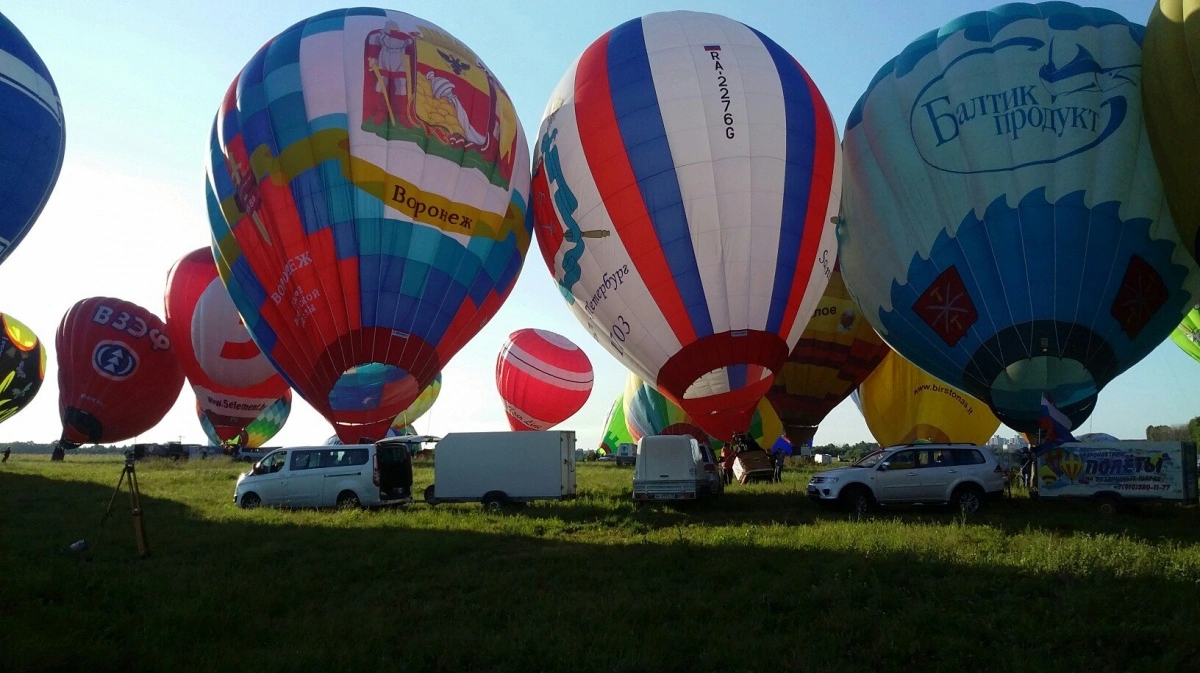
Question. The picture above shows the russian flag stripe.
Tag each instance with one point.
(809, 135)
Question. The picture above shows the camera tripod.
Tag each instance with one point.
(135, 505)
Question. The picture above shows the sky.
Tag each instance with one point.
(140, 82)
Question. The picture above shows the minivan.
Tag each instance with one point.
(351, 475)
(671, 467)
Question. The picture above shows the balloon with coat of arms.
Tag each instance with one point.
(367, 188)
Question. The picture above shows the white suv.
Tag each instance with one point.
(962, 475)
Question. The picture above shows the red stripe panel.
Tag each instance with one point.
(818, 202)
(604, 150)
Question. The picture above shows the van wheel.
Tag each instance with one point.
(251, 500)
(493, 501)
(1108, 504)
(348, 500)
(430, 498)
(967, 498)
(857, 499)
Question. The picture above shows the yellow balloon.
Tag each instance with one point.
(903, 404)
(1171, 105)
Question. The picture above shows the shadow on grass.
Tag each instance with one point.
(259, 591)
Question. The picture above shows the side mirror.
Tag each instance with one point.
(257, 469)
(884, 467)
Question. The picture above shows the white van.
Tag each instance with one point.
(352, 475)
(671, 467)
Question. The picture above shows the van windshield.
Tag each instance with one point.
(870, 460)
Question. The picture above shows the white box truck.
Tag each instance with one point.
(1115, 473)
(497, 468)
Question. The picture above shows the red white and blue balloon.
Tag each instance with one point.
(686, 172)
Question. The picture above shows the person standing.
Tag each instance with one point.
(730, 456)
(7, 453)
(778, 456)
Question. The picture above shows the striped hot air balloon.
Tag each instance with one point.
(543, 379)
(685, 175)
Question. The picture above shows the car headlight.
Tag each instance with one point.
(817, 480)
(831, 480)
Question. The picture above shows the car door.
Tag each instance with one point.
(303, 485)
(269, 477)
(897, 478)
(938, 472)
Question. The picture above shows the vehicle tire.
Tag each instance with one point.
(857, 499)
(967, 498)
(1108, 505)
(430, 498)
(348, 499)
(494, 501)
(251, 500)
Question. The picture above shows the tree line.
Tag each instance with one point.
(1180, 432)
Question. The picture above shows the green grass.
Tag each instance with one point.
(760, 581)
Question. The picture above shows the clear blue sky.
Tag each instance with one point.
(140, 81)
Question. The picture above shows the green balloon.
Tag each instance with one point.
(1187, 334)
(616, 432)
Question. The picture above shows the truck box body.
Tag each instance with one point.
(521, 465)
(1129, 469)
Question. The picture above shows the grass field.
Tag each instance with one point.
(760, 581)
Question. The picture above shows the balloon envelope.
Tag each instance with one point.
(22, 366)
(32, 139)
(1171, 97)
(367, 184)
(649, 412)
(616, 432)
(903, 404)
(838, 349)
(543, 379)
(1187, 334)
(254, 434)
(117, 371)
(419, 407)
(1003, 223)
(235, 384)
(685, 174)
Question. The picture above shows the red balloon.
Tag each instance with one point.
(543, 379)
(234, 383)
(117, 371)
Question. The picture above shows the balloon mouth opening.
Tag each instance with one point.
(373, 386)
(1016, 392)
(81, 427)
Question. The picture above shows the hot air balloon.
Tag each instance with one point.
(685, 175)
(32, 138)
(616, 432)
(417, 409)
(235, 385)
(1171, 99)
(543, 379)
(254, 434)
(836, 352)
(22, 366)
(903, 404)
(367, 184)
(117, 371)
(649, 412)
(1003, 225)
(1187, 334)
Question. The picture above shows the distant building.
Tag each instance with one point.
(996, 442)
